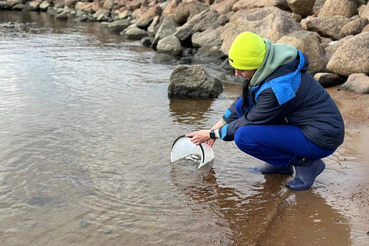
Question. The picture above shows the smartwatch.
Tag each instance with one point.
(212, 134)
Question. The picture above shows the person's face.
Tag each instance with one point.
(247, 74)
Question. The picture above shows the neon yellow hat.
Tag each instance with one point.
(247, 51)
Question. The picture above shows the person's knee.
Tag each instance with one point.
(242, 138)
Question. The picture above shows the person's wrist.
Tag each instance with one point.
(212, 134)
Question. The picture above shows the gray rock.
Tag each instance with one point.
(209, 37)
(326, 26)
(161, 58)
(167, 27)
(34, 5)
(193, 82)
(145, 20)
(208, 19)
(102, 15)
(125, 14)
(333, 46)
(269, 22)
(346, 8)
(119, 26)
(252, 4)
(12, 3)
(308, 43)
(108, 5)
(354, 27)
(152, 29)
(44, 5)
(351, 57)
(358, 83)
(146, 41)
(223, 7)
(196, 8)
(181, 13)
(301, 7)
(20, 6)
(134, 33)
(364, 11)
(329, 79)
(169, 45)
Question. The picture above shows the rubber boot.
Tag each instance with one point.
(306, 172)
(269, 168)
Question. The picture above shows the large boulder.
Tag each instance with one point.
(181, 13)
(207, 19)
(333, 46)
(354, 27)
(326, 26)
(270, 22)
(108, 4)
(167, 27)
(193, 82)
(346, 8)
(351, 57)
(364, 11)
(252, 4)
(209, 43)
(308, 43)
(301, 7)
(223, 7)
(171, 7)
(209, 37)
(358, 83)
(145, 20)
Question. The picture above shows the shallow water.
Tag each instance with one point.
(86, 132)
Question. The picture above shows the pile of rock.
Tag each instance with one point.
(334, 34)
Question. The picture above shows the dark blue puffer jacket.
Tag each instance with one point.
(290, 95)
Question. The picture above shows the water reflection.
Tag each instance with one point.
(245, 214)
(190, 111)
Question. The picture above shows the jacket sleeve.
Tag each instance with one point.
(266, 111)
(231, 114)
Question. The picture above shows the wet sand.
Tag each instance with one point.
(336, 210)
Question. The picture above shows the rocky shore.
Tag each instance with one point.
(334, 34)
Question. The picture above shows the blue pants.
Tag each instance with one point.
(278, 145)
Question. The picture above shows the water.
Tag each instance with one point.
(86, 133)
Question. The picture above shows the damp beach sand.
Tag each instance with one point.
(336, 213)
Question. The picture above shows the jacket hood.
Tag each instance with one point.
(276, 56)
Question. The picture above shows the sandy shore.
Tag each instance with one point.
(336, 210)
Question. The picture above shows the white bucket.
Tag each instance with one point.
(183, 147)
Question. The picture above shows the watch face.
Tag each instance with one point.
(212, 134)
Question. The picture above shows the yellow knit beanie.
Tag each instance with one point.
(247, 51)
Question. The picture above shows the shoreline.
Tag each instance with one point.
(336, 210)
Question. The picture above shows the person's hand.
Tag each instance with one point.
(199, 137)
(210, 142)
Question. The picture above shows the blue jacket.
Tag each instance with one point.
(291, 96)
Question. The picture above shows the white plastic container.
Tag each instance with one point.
(183, 147)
